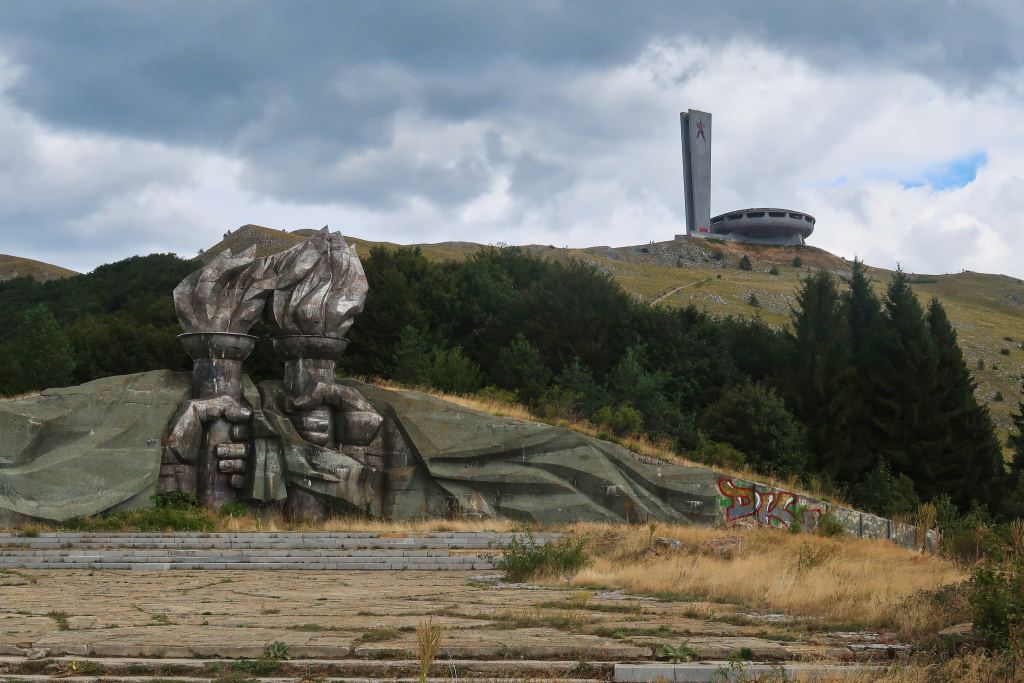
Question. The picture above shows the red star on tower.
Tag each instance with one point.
(700, 130)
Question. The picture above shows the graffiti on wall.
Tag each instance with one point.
(767, 505)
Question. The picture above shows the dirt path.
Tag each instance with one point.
(692, 284)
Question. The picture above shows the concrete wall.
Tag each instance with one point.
(742, 501)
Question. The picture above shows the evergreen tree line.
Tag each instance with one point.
(868, 394)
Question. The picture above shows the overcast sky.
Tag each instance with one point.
(134, 127)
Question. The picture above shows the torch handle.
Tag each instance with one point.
(213, 486)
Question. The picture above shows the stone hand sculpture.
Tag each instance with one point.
(356, 422)
(184, 437)
(216, 306)
(308, 296)
(308, 315)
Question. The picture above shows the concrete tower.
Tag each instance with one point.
(696, 134)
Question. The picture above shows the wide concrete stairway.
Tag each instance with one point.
(324, 550)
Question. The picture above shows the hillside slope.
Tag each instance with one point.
(987, 310)
(16, 266)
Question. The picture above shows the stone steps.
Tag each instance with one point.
(279, 550)
(443, 669)
(297, 679)
(140, 670)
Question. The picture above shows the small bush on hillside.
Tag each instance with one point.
(499, 395)
(454, 372)
(745, 263)
(645, 250)
(828, 526)
(753, 301)
(797, 262)
(523, 559)
(774, 270)
(717, 254)
(719, 454)
(997, 602)
(621, 420)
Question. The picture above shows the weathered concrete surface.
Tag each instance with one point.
(503, 467)
(86, 449)
(339, 614)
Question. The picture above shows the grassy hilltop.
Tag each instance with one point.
(16, 266)
(986, 309)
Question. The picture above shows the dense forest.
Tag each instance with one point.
(869, 396)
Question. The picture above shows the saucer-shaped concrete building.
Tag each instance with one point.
(770, 226)
(778, 226)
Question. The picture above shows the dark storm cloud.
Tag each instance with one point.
(204, 73)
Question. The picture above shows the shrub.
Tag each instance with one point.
(828, 526)
(745, 263)
(174, 500)
(998, 396)
(774, 270)
(645, 250)
(797, 262)
(1005, 352)
(500, 395)
(997, 602)
(621, 420)
(754, 419)
(523, 559)
(719, 454)
(981, 363)
(521, 369)
(717, 254)
(753, 301)
(454, 372)
(234, 509)
(683, 653)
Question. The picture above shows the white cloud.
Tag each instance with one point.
(573, 157)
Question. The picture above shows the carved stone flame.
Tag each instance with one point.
(320, 288)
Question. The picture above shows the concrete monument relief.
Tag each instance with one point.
(311, 445)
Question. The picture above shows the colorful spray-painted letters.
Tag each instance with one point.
(767, 505)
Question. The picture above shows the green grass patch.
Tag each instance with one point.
(377, 635)
(257, 667)
(153, 519)
(620, 632)
(61, 618)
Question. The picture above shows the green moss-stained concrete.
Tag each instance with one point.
(86, 449)
(96, 449)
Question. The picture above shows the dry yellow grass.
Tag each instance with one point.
(846, 582)
(971, 667)
(272, 523)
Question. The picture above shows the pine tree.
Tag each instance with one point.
(520, 369)
(972, 467)
(862, 311)
(412, 357)
(819, 382)
(904, 385)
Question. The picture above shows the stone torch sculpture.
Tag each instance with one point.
(321, 287)
(209, 435)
